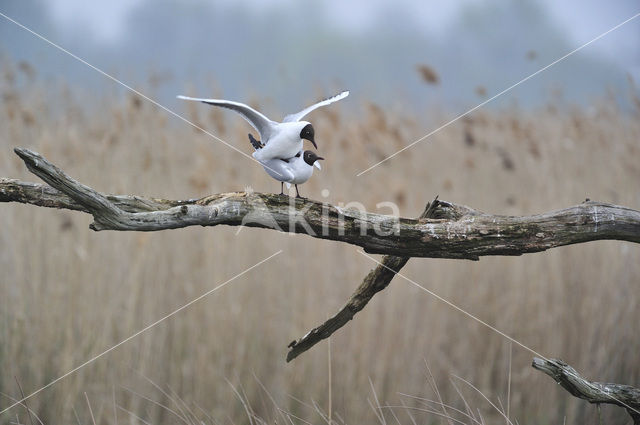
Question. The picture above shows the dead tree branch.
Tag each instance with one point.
(454, 231)
(444, 230)
(377, 280)
(594, 392)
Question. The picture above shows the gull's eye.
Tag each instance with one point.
(307, 132)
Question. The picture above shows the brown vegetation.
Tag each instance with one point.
(428, 74)
(68, 293)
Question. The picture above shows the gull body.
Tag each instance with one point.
(280, 140)
(296, 170)
(285, 142)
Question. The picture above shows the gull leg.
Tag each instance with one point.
(297, 193)
(281, 188)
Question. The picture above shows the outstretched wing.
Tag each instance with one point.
(298, 116)
(262, 124)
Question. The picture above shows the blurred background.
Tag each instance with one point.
(68, 294)
(280, 50)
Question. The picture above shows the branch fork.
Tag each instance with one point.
(443, 230)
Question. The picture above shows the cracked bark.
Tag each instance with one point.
(444, 230)
(624, 396)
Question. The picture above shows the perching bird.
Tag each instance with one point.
(280, 140)
(296, 170)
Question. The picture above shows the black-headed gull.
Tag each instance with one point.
(296, 170)
(280, 140)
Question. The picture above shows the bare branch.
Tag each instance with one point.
(444, 230)
(377, 280)
(454, 231)
(594, 392)
(43, 195)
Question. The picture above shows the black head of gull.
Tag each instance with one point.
(310, 157)
(308, 133)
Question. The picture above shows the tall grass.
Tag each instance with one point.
(68, 293)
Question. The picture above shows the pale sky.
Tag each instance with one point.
(583, 19)
(106, 19)
(471, 42)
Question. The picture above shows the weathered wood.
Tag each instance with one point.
(43, 195)
(377, 280)
(445, 230)
(594, 392)
(454, 231)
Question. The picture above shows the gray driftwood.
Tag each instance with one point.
(377, 280)
(454, 231)
(445, 230)
(594, 392)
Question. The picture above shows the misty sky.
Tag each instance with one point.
(582, 19)
(284, 50)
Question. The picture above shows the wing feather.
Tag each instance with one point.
(298, 116)
(261, 123)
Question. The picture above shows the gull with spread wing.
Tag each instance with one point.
(296, 170)
(279, 140)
